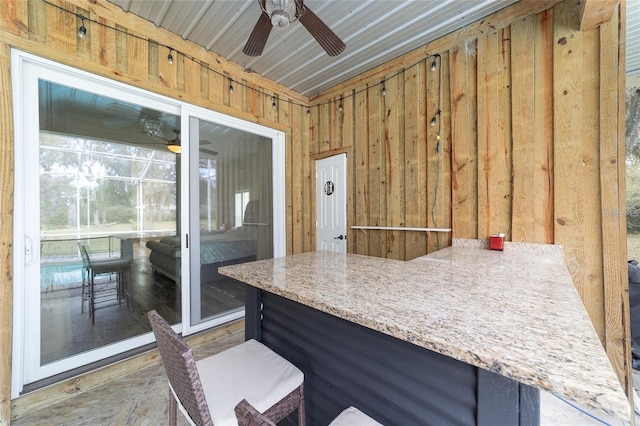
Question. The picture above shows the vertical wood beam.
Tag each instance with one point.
(348, 142)
(295, 154)
(293, 185)
(6, 232)
(612, 182)
(415, 174)
(376, 184)
(433, 154)
(494, 135)
(394, 160)
(138, 59)
(576, 176)
(622, 201)
(532, 103)
(596, 12)
(544, 112)
(14, 17)
(523, 97)
(36, 21)
(464, 137)
(443, 206)
(308, 196)
(361, 179)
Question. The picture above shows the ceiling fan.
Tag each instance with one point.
(174, 145)
(150, 121)
(279, 14)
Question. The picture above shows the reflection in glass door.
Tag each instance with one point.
(110, 216)
(107, 186)
(233, 224)
(99, 185)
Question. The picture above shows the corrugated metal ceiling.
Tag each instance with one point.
(633, 37)
(375, 31)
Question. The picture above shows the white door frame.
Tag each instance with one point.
(26, 70)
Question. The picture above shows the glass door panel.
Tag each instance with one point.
(106, 186)
(232, 188)
(99, 188)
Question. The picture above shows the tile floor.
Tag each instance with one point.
(140, 399)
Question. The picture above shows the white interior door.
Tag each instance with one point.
(331, 203)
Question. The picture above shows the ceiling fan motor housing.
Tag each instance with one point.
(281, 12)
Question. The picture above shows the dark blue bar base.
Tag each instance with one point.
(393, 381)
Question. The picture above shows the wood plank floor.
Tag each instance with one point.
(136, 399)
(66, 330)
(141, 399)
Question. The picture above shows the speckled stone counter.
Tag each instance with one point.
(513, 312)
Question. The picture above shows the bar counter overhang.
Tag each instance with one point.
(464, 335)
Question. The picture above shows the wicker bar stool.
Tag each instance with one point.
(248, 416)
(247, 371)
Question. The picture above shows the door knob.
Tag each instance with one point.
(340, 237)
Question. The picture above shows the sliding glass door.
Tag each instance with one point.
(105, 192)
(232, 186)
(126, 202)
(95, 182)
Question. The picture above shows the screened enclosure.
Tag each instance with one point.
(92, 188)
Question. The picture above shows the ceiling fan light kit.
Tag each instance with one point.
(173, 147)
(279, 14)
(174, 144)
(280, 19)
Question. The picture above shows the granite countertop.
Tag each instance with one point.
(514, 312)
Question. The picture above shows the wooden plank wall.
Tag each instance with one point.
(400, 164)
(527, 139)
(530, 146)
(50, 32)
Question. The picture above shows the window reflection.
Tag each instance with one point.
(107, 183)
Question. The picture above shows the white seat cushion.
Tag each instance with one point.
(250, 371)
(353, 417)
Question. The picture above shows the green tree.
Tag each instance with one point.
(632, 122)
(632, 150)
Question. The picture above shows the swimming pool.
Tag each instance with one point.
(60, 276)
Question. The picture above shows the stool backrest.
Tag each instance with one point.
(181, 369)
(86, 260)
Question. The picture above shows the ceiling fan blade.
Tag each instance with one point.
(113, 122)
(329, 41)
(258, 38)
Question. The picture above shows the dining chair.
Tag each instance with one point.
(248, 371)
(99, 294)
(248, 415)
